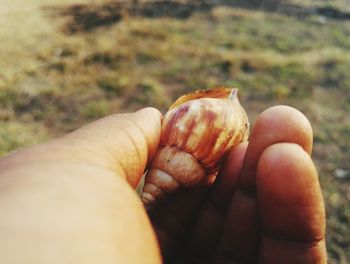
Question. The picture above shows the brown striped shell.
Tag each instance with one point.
(197, 132)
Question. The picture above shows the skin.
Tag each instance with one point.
(71, 200)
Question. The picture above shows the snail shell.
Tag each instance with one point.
(197, 132)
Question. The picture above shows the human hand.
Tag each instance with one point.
(265, 207)
(69, 200)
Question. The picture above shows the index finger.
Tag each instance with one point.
(291, 207)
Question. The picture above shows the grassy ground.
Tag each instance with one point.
(64, 63)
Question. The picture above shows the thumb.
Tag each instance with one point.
(123, 143)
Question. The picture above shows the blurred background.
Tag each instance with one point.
(64, 63)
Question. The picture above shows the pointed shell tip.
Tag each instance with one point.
(234, 94)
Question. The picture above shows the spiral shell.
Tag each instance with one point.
(197, 132)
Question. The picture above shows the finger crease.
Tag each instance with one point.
(122, 168)
(142, 133)
(138, 154)
(294, 242)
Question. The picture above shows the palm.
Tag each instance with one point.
(258, 211)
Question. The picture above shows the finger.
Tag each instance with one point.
(172, 218)
(66, 192)
(241, 233)
(227, 180)
(274, 125)
(121, 142)
(291, 207)
(208, 227)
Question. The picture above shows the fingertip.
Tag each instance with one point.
(148, 117)
(294, 124)
(274, 125)
(282, 156)
(289, 194)
(123, 143)
(149, 122)
(149, 111)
